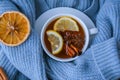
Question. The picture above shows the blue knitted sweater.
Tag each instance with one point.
(100, 62)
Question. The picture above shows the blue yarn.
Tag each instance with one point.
(100, 62)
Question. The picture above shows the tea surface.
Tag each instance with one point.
(73, 41)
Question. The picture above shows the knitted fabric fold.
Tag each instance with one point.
(27, 61)
(7, 66)
(107, 59)
(27, 58)
(107, 40)
(83, 68)
(4, 61)
(20, 76)
(7, 6)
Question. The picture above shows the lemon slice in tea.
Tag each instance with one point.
(14, 28)
(55, 40)
(66, 23)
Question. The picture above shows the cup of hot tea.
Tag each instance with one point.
(64, 37)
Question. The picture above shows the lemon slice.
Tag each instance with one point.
(55, 40)
(66, 23)
(14, 28)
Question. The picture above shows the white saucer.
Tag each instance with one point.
(48, 14)
(63, 10)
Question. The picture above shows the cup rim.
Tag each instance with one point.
(83, 25)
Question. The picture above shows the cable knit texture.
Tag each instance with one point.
(100, 62)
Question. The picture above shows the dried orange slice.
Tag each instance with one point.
(55, 40)
(66, 23)
(14, 28)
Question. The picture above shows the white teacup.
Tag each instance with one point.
(87, 32)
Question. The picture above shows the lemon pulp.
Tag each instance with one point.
(55, 40)
(66, 23)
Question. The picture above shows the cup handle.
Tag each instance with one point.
(93, 31)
